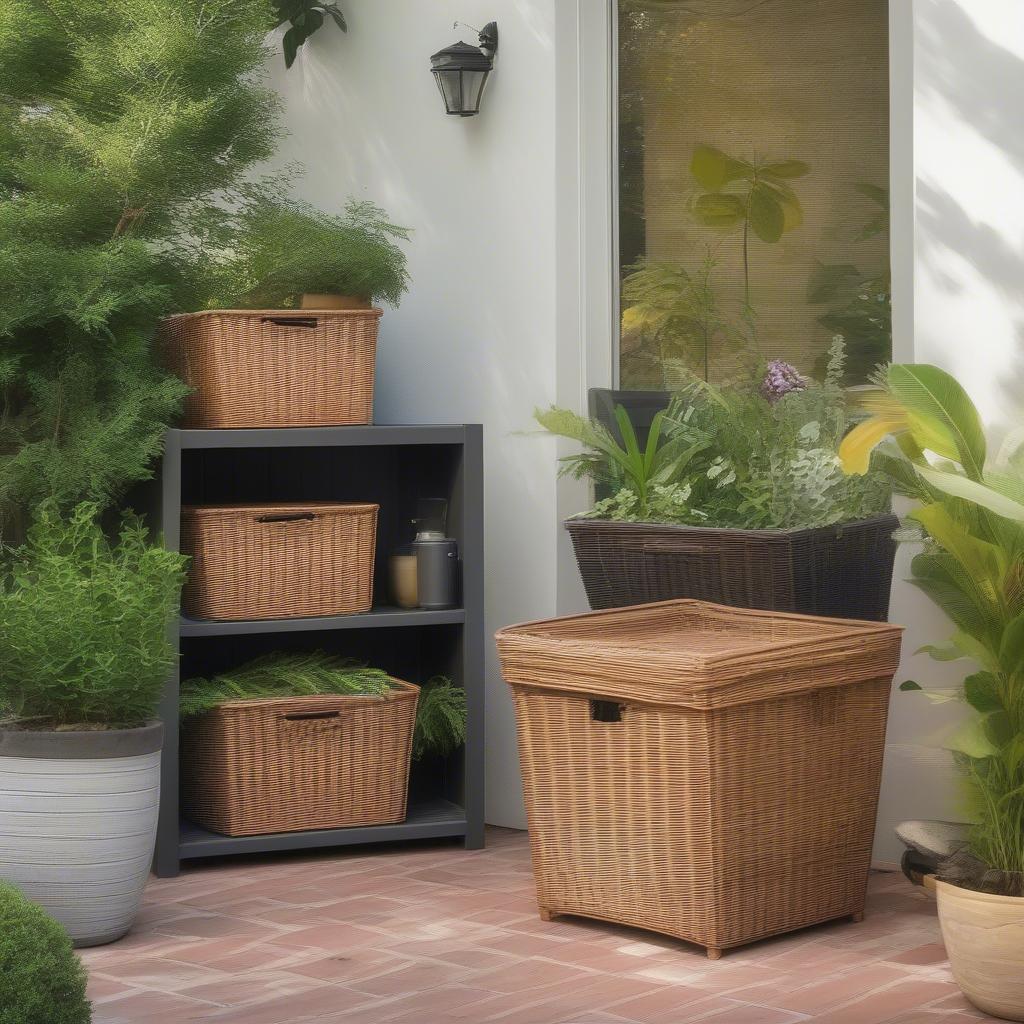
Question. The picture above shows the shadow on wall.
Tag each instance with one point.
(977, 77)
(975, 81)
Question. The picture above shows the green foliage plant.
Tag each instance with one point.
(440, 719)
(283, 675)
(754, 195)
(273, 250)
(677, 314)
(117, 120)
(84, 623)
(728, 457)
(42, 981)
(642, 473)
(440, 715)
(131, 132)
(859, 301)
(926, 434)
(303, 17)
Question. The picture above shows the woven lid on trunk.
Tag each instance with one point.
(283, 509)
(695, 654)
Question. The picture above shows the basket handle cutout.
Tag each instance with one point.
(310, 716)
(288, 321)
(605, 711)
(287, 517)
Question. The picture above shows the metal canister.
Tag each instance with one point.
(437, 572)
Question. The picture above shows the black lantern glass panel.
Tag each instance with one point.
(461, 73)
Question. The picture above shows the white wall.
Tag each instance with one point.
(968, 312)
(474, 340)
(511, 307)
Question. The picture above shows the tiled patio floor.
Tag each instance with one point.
(436, 935)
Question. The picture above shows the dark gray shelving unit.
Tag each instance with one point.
(392, 465)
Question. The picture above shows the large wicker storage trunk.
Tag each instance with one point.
(278, 561)
(707, 772)
(843, 571)
(253, 767)
(274, 367)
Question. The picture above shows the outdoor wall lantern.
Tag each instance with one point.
(461, 71)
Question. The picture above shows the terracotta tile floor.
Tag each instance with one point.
(435, 935)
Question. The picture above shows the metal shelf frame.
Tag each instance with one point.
(430, 816)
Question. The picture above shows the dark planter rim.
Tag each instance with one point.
(793, 531)
(89, 744)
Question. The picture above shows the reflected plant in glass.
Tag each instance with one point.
(860, 300)
(675, 312)
(752, 194)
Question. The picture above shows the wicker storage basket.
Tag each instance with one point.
(703, 771)
(274, 367)
(278, 561)
(252, 767)
(843, 571)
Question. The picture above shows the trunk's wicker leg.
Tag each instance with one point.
(547, 915)
(857, 917)
(714, 953)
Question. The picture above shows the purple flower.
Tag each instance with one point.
(781, 378)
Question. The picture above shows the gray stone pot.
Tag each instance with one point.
(78, 814)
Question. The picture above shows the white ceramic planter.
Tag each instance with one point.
(984, 936)
(78, 813)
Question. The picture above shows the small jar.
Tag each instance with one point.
(402, 578)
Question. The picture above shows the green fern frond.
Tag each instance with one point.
(281, 675)
(440, 719)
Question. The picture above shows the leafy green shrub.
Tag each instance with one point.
(758, 456)
(440, 715)
(118, 119)
(83, 623)
(41, 979)
(970, 515)
(273, 250)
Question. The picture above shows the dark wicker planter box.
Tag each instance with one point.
(842, 571)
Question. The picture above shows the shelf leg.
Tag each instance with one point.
(166, 863)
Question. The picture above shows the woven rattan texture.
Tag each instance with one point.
(278, 561)
(274, 368)
(253, 767)
(720, 827)
(734, 798)
(841, 570)
(697, 655)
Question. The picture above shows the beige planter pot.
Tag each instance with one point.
(984, 936)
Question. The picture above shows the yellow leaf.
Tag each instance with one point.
(855, 451)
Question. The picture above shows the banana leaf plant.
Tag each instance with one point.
(752, 194)
(924, 431)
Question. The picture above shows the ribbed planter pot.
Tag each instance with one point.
(78, 813)
(984, 936)
(842, 571)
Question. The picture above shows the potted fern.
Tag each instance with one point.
(969, 516)
(736, 496)
(290, 337)
(84, 657)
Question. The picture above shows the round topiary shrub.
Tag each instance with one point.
(42, 981)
